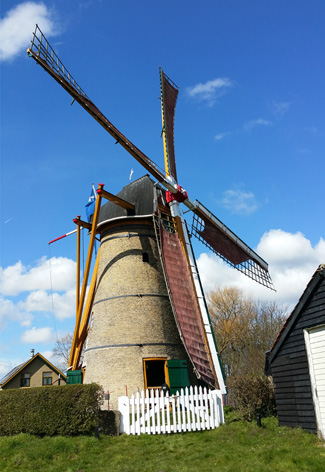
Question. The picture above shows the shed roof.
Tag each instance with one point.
(290, 321)
(19, 367)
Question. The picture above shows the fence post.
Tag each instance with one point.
(123, 407)
(220, 405)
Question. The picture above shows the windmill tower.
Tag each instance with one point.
(145, 318)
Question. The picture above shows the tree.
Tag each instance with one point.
(62, 350)
(244, 329)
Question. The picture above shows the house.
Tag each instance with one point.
(296, 361)
(36, 372)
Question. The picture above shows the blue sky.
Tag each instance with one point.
(249, 139)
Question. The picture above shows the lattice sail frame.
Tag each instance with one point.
(248, 267)
(42, 48)
(41, 51)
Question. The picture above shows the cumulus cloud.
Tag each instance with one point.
(63, 305)
(37, 335)
(292, 261)
(239, 202)
(17, 26)
(250, 125)
(48, 287)
(210, 90)
(9, 311)
(19, 278)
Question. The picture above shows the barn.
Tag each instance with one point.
(296, 361)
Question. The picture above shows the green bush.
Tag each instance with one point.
(252, 395)
(47, 411)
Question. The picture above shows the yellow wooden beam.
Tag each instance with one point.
(86, 275)
(82, 334)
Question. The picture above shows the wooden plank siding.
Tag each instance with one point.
(288, 363)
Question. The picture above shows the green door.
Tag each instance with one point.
(74, 377)
(178, 375)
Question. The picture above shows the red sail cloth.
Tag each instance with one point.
(185, 304)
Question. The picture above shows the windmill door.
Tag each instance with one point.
(315, 345)
(178, 375)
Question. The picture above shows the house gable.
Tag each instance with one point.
(35, 367)
(288, 361)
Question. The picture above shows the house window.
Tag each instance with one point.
(25, 380)
(47, 378)
(155, 373)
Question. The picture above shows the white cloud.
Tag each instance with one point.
(19, 278)
(279, 108)
(220, 136)
(249, 125)
(9, 311)
(239, 202)
(17, 26)
(292, 261)
(37, 335)
(58, 297)
(63, 305)
(210, 90)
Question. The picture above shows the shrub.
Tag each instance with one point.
(47, 411)
(252, 395)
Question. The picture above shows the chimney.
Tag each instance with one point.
(32, 353)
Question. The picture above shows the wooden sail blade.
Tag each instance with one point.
(185, 305)
(44, 55)
(225, 244)
(169, 93)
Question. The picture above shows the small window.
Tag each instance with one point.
(47, 378)
(145, 257)
(25, 380)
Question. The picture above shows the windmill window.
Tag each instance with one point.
(145, 257)
(25, 380)
(155, 373)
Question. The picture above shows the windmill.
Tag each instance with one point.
(145, 320)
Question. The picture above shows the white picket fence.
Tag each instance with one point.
(192, 409)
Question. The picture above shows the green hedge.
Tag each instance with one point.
(47, 411)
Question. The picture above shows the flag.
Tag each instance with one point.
(90, 207)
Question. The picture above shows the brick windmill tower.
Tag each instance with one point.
(145, 321)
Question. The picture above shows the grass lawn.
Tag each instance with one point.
(236, 446)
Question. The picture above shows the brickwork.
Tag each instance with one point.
(132, 317)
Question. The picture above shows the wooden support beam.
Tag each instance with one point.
(75, 340)
(113, 198)
(82, 223)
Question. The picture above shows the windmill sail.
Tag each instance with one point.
(225, 244)
(169, 93)
(41, 51)
(185, 304)
(206, 226)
